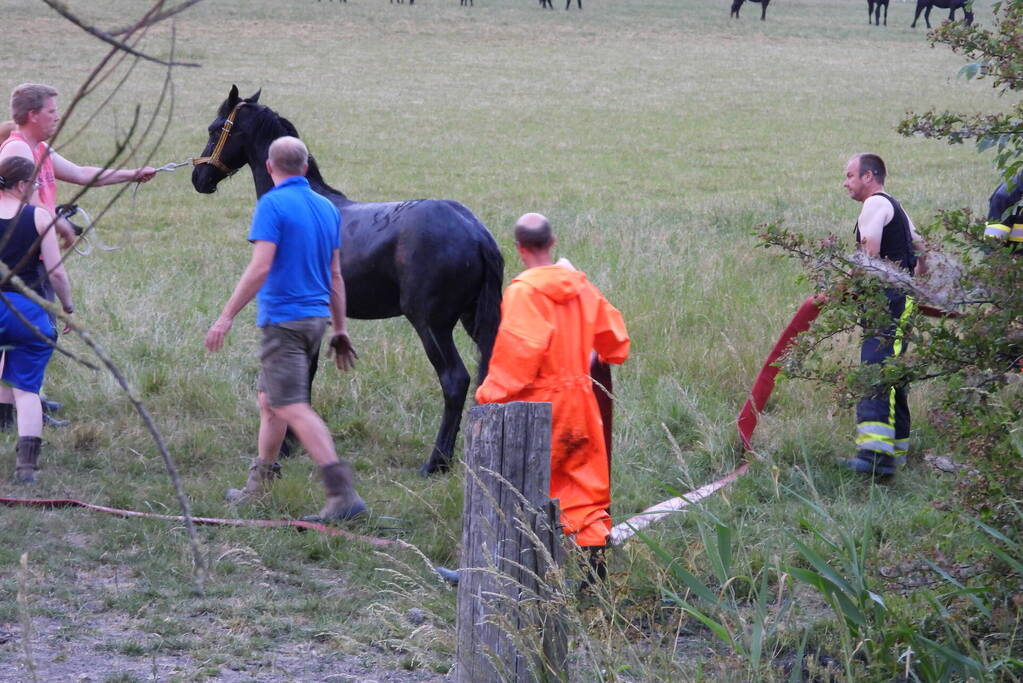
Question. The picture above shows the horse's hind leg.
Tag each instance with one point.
(454, 384)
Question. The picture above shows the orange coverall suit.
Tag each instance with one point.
(551, 319)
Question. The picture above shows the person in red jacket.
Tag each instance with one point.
(552, 320)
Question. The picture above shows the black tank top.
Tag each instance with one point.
(20, 250)
(896, 238)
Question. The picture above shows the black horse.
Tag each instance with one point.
(736, 4)
(871, 4)
(430, 260)
(951, 5)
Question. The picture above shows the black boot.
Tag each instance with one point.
(28, 459)
(6, 417)
(343, 502)
(594, 567)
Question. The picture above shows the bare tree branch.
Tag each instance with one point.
(154, 18)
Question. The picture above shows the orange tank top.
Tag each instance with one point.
(47, 181)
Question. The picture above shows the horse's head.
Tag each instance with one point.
(230, 138)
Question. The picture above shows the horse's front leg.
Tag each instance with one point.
(454, 384)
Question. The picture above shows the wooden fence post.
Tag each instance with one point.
(509, 624)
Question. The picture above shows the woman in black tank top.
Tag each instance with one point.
(25, 234)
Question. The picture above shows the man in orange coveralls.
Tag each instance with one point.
(552, 319)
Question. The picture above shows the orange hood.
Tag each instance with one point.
(555, 282)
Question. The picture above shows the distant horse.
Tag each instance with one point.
(951, 5)
(736, 4)
(546, 3)
(877, 12)
(430, 260)
(466, 3)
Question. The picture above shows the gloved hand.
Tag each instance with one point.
(344, 352)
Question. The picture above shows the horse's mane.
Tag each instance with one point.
(271, 125)
(313, 174)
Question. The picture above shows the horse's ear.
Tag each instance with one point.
(232, 96)
(255, 98)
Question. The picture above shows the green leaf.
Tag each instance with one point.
(1009, 560)
(725, 548)
(949, 653)
(850, 611)
(717, 628)
(694, 584)
(796, 676)
(995, 533)
(822, 566)
(965, 591)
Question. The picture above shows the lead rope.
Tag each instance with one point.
(89, 236)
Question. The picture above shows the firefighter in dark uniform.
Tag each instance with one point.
(1002, 228)
(882, 230)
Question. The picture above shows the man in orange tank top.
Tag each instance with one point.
(35, 117)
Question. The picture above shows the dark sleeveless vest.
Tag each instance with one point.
(20, 250)
(896, 238)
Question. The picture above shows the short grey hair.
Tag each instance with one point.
(289, 155)
(27, 98)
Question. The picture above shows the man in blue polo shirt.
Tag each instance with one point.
(296, 271)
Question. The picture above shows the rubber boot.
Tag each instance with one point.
(6, 417)
(877, 465)
(594, 568)
(28, 459)
(343, 503)
(261, 476)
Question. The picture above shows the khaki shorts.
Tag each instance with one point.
(285, 356)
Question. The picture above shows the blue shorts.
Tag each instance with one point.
(25, 354)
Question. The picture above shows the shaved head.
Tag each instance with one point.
(533, 232)
(289, 156)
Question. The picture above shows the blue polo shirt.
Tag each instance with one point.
(306, 228)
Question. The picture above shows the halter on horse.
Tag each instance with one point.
(430, 260)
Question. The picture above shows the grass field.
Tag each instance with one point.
(656, 135)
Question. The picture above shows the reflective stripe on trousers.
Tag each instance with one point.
(883, 419)
(1004, 233)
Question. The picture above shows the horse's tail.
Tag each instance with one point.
(487, 316)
